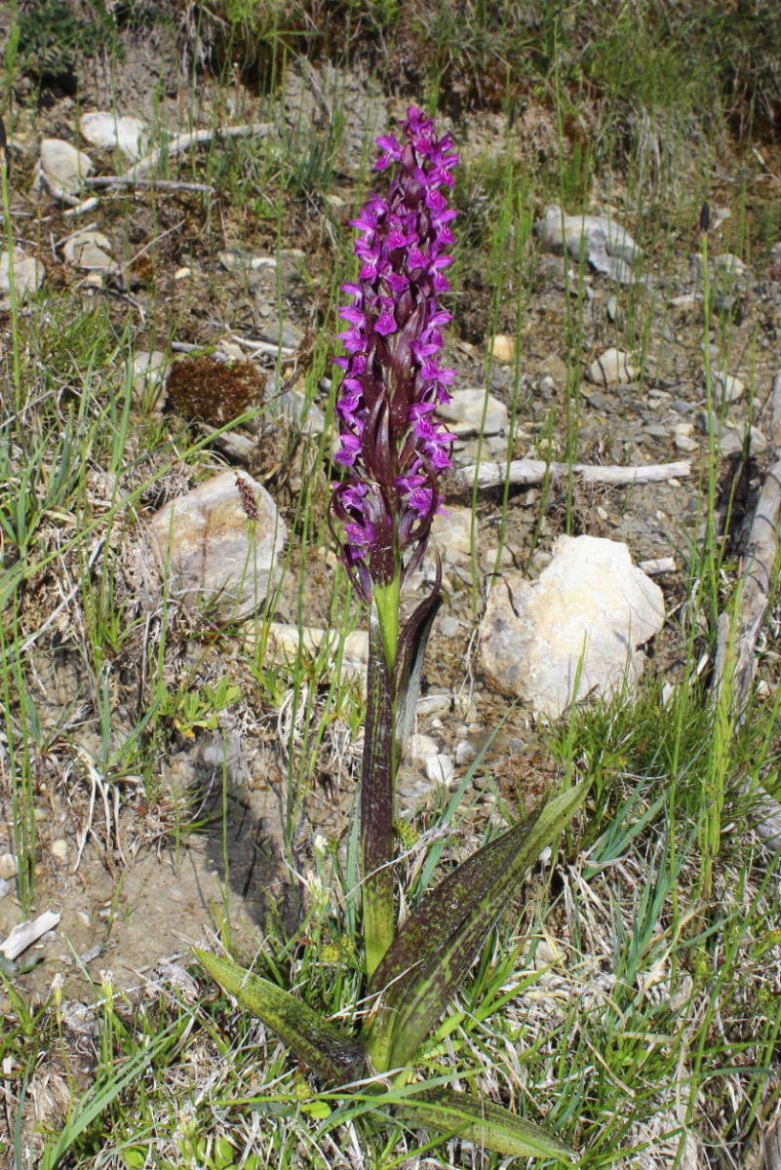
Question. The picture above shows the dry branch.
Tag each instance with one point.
(183, 142)
(530, 471)
(26, 933)
(153, 184)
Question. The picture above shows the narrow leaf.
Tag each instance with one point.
(484, 1123)
(409, 665)
(434, 949)
(337, 1057)
(101, 1095)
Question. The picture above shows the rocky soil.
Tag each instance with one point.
(133, 885)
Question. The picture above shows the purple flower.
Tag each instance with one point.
(393, 383)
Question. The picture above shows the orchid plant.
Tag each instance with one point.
(394, 451)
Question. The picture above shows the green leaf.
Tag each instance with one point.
(333, 1054)
(482, 1122)
(409, 663)
(436, 946)
(103, 1092)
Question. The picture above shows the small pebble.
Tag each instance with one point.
(503, 347)
(59, 849)
(440, 768)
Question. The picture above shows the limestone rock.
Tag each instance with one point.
(728, 388)
(451, 531)
(607, 246)
(475, 411)
(612, 367)
(28, 274)
(90, 250)
(219, 544)
(503, 347)
(149, 370)
(9, 866)
(62, 169)
(580, 623)
(115, 131)
(733, 441)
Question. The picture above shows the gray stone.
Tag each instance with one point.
(90, 250)
(440, 768)
(729, 264)
(732, 441)
(9, 866)
(62, 169)
(219, 545)
(575, 631)
(727, 387)
(474, 412)
(607, 246)
(612, 368)
(293, 405)
(115, 132)
(28, 274)
(451, 531)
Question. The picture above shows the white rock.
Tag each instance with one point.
(9, 866)
(90, 250)
(115, 131)
(286, 643)
(730, 264)
(421, 748)
(59, 849)
(503, 347)
(733, 441)
(28, 273)
(612, 367)
(294, 405)
(452, 532)
(686, 301)
(62, 169)
(440, 768)
(575, 631)
(607, 246)
(727, 387)
(464, 414)
(683, 436)
(214, 551)
(148, 367)
(243, 262)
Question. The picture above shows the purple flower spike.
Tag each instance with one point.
(390, 439)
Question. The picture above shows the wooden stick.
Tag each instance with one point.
(529, 471)
(26, 933)
(183, 142)
(154, 184)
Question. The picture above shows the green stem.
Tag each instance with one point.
(380, 763)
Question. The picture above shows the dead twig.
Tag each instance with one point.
(183, 142)
(152, 184)
(530, 471)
